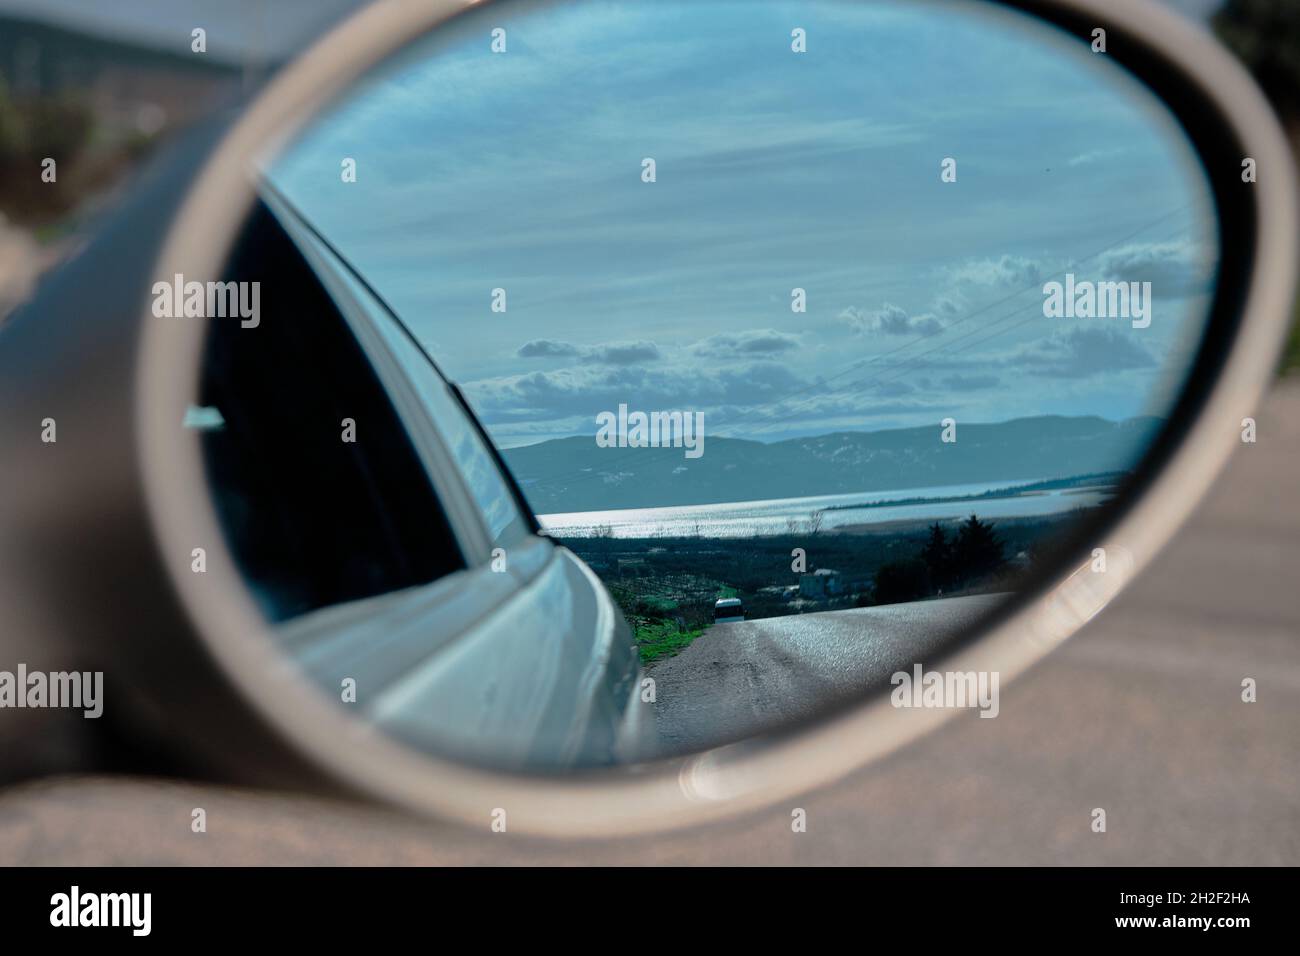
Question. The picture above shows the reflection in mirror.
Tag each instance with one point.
(787, 342)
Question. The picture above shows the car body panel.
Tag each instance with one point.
(456, 665)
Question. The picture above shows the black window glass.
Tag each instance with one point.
(312, 520)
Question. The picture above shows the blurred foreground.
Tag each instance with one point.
(1140, 713)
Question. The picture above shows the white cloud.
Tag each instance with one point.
(1172, 268)
(1004, 272)
(890, 319)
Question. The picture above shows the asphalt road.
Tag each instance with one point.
(1140, 713)
(742, 679)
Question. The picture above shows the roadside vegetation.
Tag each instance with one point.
(666, 587)
(945, 564)
(64, 126)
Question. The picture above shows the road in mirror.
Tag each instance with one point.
(787, 340)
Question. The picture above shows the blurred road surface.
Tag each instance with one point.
(742, 679)
(1140, 713)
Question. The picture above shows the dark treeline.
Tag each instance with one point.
(944, 564)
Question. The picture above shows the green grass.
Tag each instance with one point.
(658, 605)
(666, 611)
(657, 640)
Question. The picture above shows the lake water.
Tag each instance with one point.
(750, 518)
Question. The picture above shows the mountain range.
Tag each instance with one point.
(575, 474)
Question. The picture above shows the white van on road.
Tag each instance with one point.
(728, 611)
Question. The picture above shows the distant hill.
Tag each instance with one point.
(574, 474)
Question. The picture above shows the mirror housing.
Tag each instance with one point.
(195, 648)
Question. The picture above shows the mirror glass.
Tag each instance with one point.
(632, 378)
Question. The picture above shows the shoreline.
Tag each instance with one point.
(1104, 484)
(890, 526)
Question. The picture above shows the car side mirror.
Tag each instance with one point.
(495, 349)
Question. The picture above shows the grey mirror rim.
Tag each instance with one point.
(738, 777)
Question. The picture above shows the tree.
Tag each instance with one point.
(898, 582)
(937, 555)
(977, 552)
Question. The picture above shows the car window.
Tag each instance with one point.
(501, 514)
(317, 484)
(442, 411)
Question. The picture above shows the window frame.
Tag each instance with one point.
(462, 511)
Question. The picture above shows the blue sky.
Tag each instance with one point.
(775, 170)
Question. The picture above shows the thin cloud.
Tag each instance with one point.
(607, 353)
(756, 342)
(547, 348)
(1083, 353)
(971, 383)
(1094, 156)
